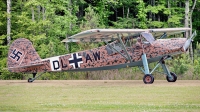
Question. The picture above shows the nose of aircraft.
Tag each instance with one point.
(188, 42)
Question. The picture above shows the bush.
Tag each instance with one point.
(181, 64)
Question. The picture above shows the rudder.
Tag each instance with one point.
(21, 53)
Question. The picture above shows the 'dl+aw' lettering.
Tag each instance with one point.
(96, 56)
(74, 61)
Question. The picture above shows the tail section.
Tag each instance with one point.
(21, 53)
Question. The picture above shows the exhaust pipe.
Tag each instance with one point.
(188, 42)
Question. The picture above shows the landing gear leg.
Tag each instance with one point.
(32, 79)
(148, 77)
(170, 76)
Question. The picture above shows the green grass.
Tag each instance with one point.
(99, 96)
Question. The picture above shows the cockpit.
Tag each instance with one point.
(131, 41)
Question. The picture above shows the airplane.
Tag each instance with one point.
(124, 48)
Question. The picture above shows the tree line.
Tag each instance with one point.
(47, 22)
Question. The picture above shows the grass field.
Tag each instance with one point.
(99, 95)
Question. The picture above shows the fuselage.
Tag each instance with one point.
(105, 57)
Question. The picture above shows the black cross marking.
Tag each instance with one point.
(75, 60)
(15, 54)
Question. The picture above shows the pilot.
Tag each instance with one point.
(123, 39)
(139, 41)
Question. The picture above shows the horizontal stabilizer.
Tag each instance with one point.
(25, 66)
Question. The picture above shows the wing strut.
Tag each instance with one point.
(124, 48)
(129, 58)
(115, 49)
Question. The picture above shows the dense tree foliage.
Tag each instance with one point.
(47, 22)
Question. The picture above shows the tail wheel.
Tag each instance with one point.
(148, 79)
(30, 80)
(173, 78)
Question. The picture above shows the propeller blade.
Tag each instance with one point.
(188, 42)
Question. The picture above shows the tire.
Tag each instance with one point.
(174, 77)
(30, 80)
(148, 79)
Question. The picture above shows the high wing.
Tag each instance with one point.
(98, 35)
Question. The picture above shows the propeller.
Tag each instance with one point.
(188, 42)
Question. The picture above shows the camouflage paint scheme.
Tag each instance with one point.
(22, 57)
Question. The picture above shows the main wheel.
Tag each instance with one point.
(30, 80)
(148, 79)
(173, 79)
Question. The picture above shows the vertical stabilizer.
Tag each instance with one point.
(21, 53)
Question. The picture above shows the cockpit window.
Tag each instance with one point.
(148, 36)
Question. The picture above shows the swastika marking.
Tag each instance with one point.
(16, 55)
